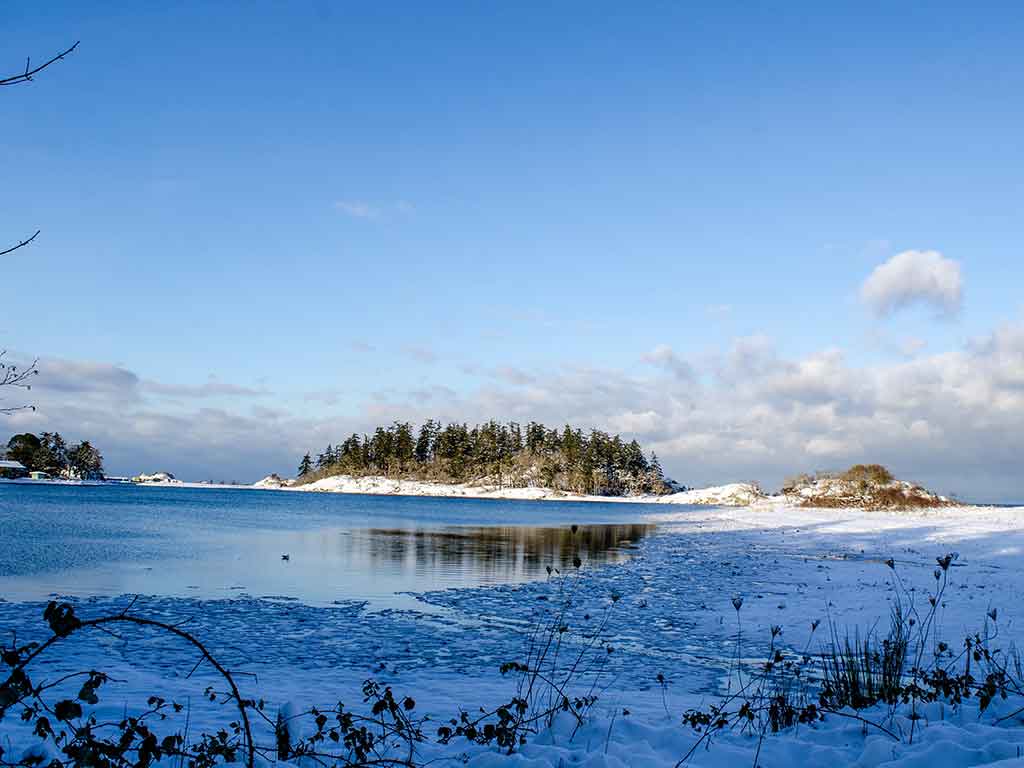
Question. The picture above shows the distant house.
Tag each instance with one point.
(12, 469)
(156, 477)
(40, 475)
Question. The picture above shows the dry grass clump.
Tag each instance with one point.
(868, 473)
(881, 681)
(864, 486)
(912, 497)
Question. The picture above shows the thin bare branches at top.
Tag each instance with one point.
(27, 75)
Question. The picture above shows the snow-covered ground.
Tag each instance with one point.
(670, 613)
(731, 494)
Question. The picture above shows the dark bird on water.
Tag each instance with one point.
(286, 557)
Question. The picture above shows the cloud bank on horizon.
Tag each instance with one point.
(952, 419)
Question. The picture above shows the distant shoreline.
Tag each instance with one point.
(738, 495)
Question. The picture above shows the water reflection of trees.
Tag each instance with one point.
(495, 553)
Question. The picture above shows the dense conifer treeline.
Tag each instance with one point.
(506, 455)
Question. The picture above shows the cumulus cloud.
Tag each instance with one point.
(86, 378)
(953, 420)
(143, 424)
(759, 415)
(914, 277)
(212, 387)
(665, 357)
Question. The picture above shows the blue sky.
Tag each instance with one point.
(366, 210)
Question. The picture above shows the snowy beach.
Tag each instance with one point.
(730, 494)
(670, 613)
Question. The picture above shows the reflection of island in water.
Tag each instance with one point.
(497, 554)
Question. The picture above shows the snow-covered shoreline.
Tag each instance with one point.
(728, 495)
(675, 616)
(733, 494)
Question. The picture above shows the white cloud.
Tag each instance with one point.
(665, 357)
(357, 209)
(826, 446)
(759, 415)
(212, 387)
(911, 345)
(141, 424)
(914, 277)
(953, 419)
(361, 209)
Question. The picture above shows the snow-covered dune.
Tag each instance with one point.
(730, 495)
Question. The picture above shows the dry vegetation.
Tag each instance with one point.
(866, 486)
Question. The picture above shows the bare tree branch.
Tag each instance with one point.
(26, 76)
(22, 244)
(13, 376)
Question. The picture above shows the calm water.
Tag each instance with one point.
(113, 540)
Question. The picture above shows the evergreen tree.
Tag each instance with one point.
(535, 437)
(305, 466)
(52, 455)
(85, 462)
(426, 441)
(22, 448)
(350, 454)
(380, 450)
(515, 443)
(655, 467)
(403, 446)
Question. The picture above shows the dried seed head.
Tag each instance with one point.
(937, 574)
(891, 563)
(814, 624)
(993, 614)
(776, 630)
(737, 602)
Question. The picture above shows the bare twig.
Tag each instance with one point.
(27, 75)
(123, 618)
(22, 244)
(13, 376)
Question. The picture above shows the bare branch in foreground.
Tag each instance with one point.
(29, 72)
(22, 244)
(13, 376)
